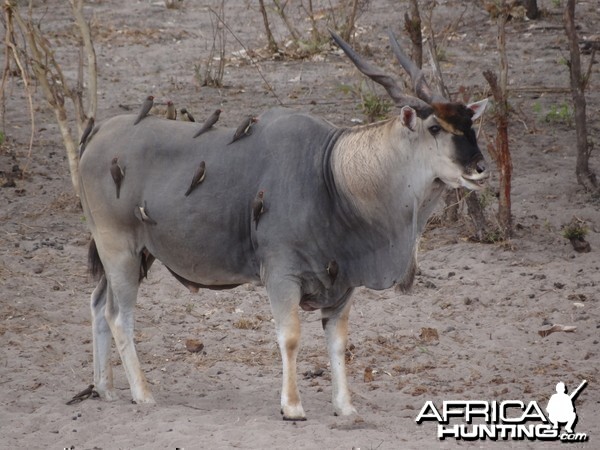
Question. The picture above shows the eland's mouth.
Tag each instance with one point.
(474, 181)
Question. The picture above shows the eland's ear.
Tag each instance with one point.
(478, 108)
(408, 117)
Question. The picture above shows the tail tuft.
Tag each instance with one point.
(95, 267)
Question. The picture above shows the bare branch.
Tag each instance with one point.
(90, 52)
(350, 21)
(251, 59)
(280, 9)
(24, 75)
(273, 48)
(313, 22)
(412, 26)
(588, 72)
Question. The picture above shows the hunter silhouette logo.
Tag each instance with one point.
(509, 419)
(560, 406)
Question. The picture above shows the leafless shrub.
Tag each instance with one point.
(33, 51)
(208, 73)
(341, 16)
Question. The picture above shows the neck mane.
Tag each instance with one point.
(359, 160)
(367, 161)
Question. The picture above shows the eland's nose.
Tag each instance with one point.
(480, 166)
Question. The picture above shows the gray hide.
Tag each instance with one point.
(209, 237)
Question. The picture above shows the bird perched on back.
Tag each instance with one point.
(198, 177)
(171, 111)
(146, 107)
(117, 174)
(88, 129)
(214, 117)
(85, 135)
(258, 207)
(186, 116)
(245, 129)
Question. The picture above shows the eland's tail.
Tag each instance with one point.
(95, 267)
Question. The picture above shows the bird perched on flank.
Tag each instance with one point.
(146, 107)
(117, 173)
(214, 117)
(198, 177)
(186, 116)
(141, 212)
(245, 129)
(332, 269)
(258, 207)
(171, 111)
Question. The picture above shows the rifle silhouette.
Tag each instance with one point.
(574, 394)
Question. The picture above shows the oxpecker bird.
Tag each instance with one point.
(186, 116)
(85, 136)
(198, 177)
(142, 214)
(245, 129)
(332, 270)
(171, 111)
(88, 129)
(83, 395)
(117, 174)
(209, 123)
(258, 207)
(146, 107)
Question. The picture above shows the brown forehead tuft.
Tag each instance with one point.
(456, 115)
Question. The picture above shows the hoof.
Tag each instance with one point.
(294, 419)
(348, 410)
(293, 413)
(148, 400)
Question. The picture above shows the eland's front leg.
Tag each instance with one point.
(285, 298)
(335, 325)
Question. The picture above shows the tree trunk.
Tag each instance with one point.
(502, 152)
(585, 176)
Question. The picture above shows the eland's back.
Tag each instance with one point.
(208, 235)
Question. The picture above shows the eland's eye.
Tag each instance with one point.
(434, 129)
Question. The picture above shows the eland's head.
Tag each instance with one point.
(441, 127)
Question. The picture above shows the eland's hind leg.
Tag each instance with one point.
(335, 325)
(285, 298)
(102, 337)
(123, 273)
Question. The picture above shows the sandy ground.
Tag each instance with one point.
(486, 302)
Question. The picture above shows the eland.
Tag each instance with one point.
(339, 208)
